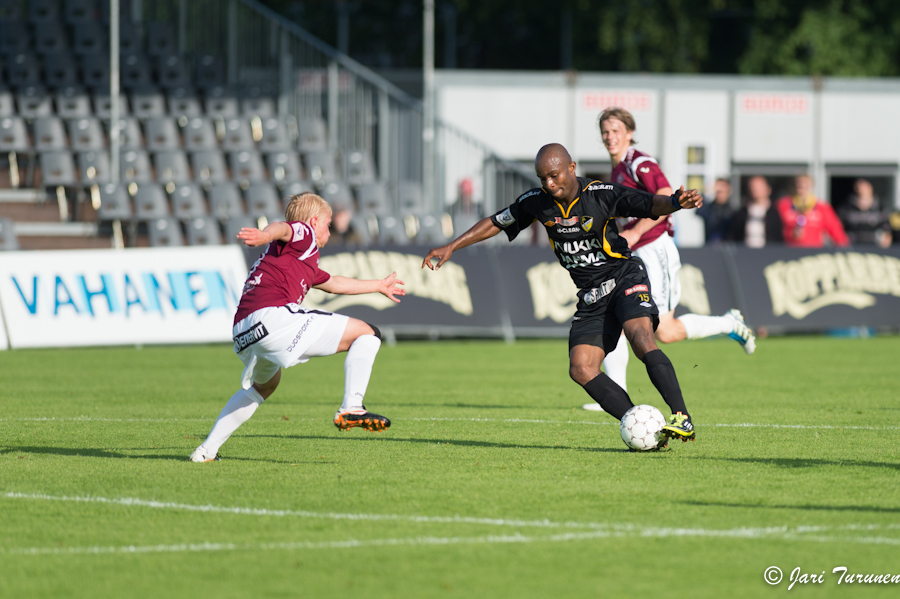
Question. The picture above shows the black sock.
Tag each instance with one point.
(609, 395)
(662, 375)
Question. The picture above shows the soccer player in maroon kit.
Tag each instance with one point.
(272, 331)
(651, 241)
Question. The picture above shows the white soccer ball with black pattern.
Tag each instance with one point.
(641, 428)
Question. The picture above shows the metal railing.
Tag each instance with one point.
(362, 110)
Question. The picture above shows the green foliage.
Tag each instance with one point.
(492, 482)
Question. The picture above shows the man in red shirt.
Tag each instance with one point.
(806, 218)
(651, 241)
(272, 331)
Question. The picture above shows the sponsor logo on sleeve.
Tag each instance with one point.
(599, 186)
(505, 218)
(636, 289)
(645, 169)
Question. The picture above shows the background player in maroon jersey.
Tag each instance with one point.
(272, 331)
(613, 289)
(651, 241)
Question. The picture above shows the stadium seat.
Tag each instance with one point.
(93, 167)
(171, 72)
(135, 166)
(284, 166)
(49, 134)
(130, 133)
(41, 12)
(165, 232)
(311, 135)
(34, 102)
(262, 199)
(238, 135)
(209, 72)
(135, 72)
(150, 202)
(225, 201)
(209, 166)
(188, 201)
(374, 198)
(89, 38)
(102, 105)
(23, 69)
(72, 103)
(337, 193)
(234, 225)
(60, 71)
(359, 167)
(148, 104)
(200, 134)
(261, 107)
(204, 230)
(172, 167)
(430, 228)
(161, 39)
(392, 230)
(13, 38)
(129, 38)
(410, 196)
(183, 102)
(220, 102)
(8, 239)
(58, 168)
(162, 134)
(292, 188)
(115, 203)
(10, 10)
(95, 71)
(275, 135)
(79, 11)
(13, 135)
(246, 167)
(322, 167)
(50, 38)
(86, 134)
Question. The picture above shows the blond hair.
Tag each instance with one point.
(620, 114)
(304, 206)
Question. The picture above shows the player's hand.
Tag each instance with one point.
(253, 237)
(390, 287)
(442, 253)
(690, 198)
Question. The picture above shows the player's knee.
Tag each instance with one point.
(582, 373)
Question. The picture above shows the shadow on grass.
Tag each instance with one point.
(803, 462)
(458, 442)
(105, 453)
(823, 508)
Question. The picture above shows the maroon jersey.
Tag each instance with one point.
(284, 274)
(640, 171)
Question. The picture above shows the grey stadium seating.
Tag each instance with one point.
(359, 167)
(322, 167)
(203, 230)
(115, 203)
(200, 134)
(238, 135)
(86, 134)
(8, 239)
(225, 201)
(246, 167)
(135, 166)
(374, 198)
(172, 166)
(58, 168)
(188, 201)
(165, 232)
(311, 135)
(13, 135)
(72, 103)
(150, 202)
(49, 134)
(209, 166)
(93, 167)
(162, 134)
(284, 167)
(262, 199)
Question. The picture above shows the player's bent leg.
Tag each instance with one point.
(670, 329)
(584, 368)
(616, 365)
(362, 345)
(731, 324)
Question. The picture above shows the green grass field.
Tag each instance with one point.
(492, 482)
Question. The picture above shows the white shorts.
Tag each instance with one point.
(273, 338)
(662, 261)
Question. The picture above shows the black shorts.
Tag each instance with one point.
(602, 311)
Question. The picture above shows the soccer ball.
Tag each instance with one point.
(641, 428)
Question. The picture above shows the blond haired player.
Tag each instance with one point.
(273, 331)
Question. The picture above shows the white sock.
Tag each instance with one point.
(236, 412)
(358, 369)
(616, 363)
(700, 327)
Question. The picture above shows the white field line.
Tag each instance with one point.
(510, 420)
(773, 534)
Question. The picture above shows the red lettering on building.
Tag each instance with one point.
(774, 103)
(629, 101)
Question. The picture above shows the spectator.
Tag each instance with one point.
(342, 226)
(863, 218)
(757, 222)
(806, 218)
(717, 215)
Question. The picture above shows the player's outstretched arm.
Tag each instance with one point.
(483, 229)
(273, 232)
(663, 205)
(388, 286)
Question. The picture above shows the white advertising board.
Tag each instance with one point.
(108, 297)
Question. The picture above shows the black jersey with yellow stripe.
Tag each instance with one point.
(584, 235)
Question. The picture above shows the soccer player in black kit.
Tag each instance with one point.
(614, 291)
